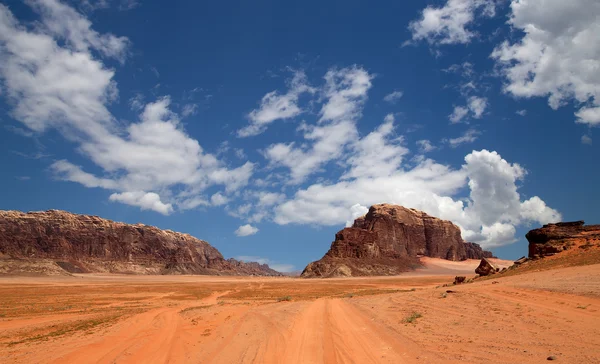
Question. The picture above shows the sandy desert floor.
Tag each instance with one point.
(406, 319)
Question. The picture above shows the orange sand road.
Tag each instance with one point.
(117, 319)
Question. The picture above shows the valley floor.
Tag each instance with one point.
(406, 319)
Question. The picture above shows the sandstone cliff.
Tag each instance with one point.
(388, 241)
(82, 243)
(555, 238)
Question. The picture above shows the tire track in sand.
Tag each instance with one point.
(333, 331)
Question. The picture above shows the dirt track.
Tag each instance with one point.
(521, 319)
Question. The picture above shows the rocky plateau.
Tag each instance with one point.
(388, 240)
(55, 242)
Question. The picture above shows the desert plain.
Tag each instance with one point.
(412, 318)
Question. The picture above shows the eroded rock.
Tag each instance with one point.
(83, 243)
(555, 238)
(388, 241)
(486, 268)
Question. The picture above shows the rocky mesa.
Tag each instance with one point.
(555, 238)
(81, 243)
(388, 240)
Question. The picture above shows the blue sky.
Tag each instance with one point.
(264, 127)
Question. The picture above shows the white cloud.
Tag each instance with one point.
(393, 97)
(475, 107)
(65, 168)
(356, 211)
(345, 92)
(586, 139)
(558, 55)
(521, 112)
(425, 146)
(218, 199)
(246, 230)
(193, 202)
(376, 154)
(137, 102)
(144, 200)
(489, 215)
(450, 23)
(535, 209)
(274, 106)
(65, 23)
(128, 4)
(468, 137)
(269, 198)
(53, 80)
(189, 110)
(458, 114)
(328, 140)
(51, 85)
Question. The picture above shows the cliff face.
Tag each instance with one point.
(388, 241)
(555, 238)
(82, 243)
(474, 251)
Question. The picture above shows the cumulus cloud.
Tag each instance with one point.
(54, 80)
(275, 106)
(356, 211)
(144, 200)
(393, 97)
(246, 230)
(450, 24)
(558, 55)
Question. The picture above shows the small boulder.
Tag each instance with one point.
(486, 268)
(521, 260)
(459, 279)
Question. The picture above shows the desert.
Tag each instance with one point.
(405, 319)
(299, 182)
(81, 289)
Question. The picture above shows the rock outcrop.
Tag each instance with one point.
(486, 268)
(388, 241)
(82, 243)
(474, 251)
(555, 238)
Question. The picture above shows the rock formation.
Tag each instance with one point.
(82, 243)
(555, 238)
(486, 268)
(388, 241)
(474, 251)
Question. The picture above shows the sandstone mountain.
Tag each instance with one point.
(82, 243)
(555, 238)
(388, 241)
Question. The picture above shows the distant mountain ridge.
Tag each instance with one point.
(84, 243)
(388, 241)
